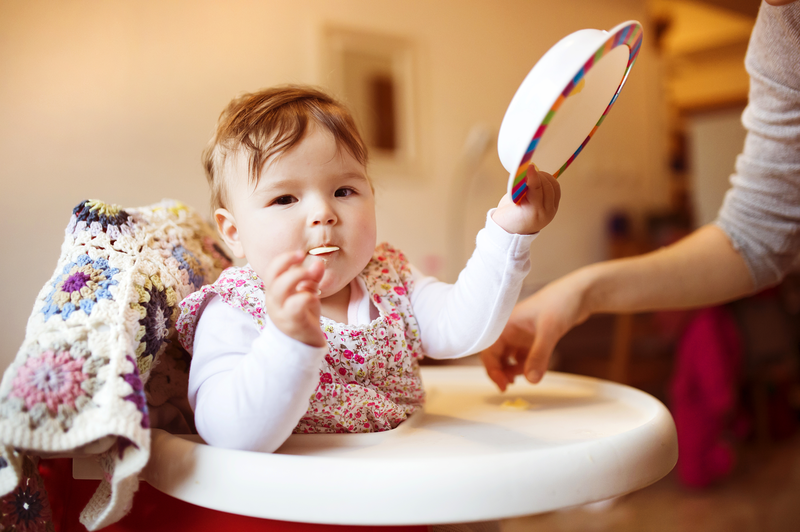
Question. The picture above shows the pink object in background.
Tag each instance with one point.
(703, 392)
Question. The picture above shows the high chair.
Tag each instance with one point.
(471, 454)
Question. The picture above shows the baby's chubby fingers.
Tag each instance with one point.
(557, 190)
(299, 318)
(544, 200)
(297, 278)
(281, 264)
(291, 295)
(535, 210)
(314, 272)
(286, 275)
(540, 186)
(551, 192)
(534, 181)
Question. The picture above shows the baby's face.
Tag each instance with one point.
(315, 195)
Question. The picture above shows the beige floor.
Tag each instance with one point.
(763, 495)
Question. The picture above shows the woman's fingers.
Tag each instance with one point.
(538, 357)
(505, 359)
(492, 361)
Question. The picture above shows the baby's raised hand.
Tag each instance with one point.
(537, 208)
(291, 295)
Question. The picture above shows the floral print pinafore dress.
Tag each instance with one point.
(369, 380)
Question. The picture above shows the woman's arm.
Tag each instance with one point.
(702, 269)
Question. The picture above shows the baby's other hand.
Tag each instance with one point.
(291, 295)
(537, 208)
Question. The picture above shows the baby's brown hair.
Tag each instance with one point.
(270, 122)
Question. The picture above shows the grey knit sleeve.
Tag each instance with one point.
(761, 212)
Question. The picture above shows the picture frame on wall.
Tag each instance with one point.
(374, 75)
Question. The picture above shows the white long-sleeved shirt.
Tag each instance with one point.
(250, 387)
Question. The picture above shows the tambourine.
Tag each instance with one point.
(563, 100)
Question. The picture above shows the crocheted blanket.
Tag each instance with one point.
(99, 346)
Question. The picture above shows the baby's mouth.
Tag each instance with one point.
(323, 250)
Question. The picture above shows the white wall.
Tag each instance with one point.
(114, 100)
(714, 141)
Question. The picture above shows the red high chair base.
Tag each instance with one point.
(154, 511)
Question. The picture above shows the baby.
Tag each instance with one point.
(322, 331)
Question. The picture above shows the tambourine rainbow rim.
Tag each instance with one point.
(630, 36)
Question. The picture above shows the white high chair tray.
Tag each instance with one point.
(465, 457)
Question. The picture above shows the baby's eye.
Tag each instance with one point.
(283, 200)
(344, 192)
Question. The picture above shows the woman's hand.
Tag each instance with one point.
(535, 327)
(702, 269)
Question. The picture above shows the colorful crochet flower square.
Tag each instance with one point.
(97, 332)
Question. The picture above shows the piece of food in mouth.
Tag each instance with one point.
(322, 250)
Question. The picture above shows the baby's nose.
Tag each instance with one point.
(323, 220)
(323, 215)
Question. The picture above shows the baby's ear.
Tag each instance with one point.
(226, 225)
